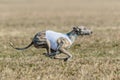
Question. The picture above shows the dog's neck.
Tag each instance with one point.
(72, 35)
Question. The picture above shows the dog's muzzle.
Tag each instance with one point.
(86, 32)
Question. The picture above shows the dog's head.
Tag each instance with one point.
(81, 30)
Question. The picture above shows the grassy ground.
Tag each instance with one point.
(95, 57)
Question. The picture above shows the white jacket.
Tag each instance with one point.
(53, 36)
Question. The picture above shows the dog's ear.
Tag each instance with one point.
(76, 27)
(77, 30)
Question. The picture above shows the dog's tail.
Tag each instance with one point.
(11, 44)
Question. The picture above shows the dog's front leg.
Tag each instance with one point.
(66, 53)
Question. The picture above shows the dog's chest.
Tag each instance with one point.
(54, 36)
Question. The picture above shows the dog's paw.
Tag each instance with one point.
(66, 59)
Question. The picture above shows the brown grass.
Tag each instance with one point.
(95, 57)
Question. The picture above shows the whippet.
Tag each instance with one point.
(56, 42)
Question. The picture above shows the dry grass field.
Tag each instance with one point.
(95, 57)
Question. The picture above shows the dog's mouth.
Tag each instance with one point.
(87, 34)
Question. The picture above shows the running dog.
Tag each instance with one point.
(55, 42)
